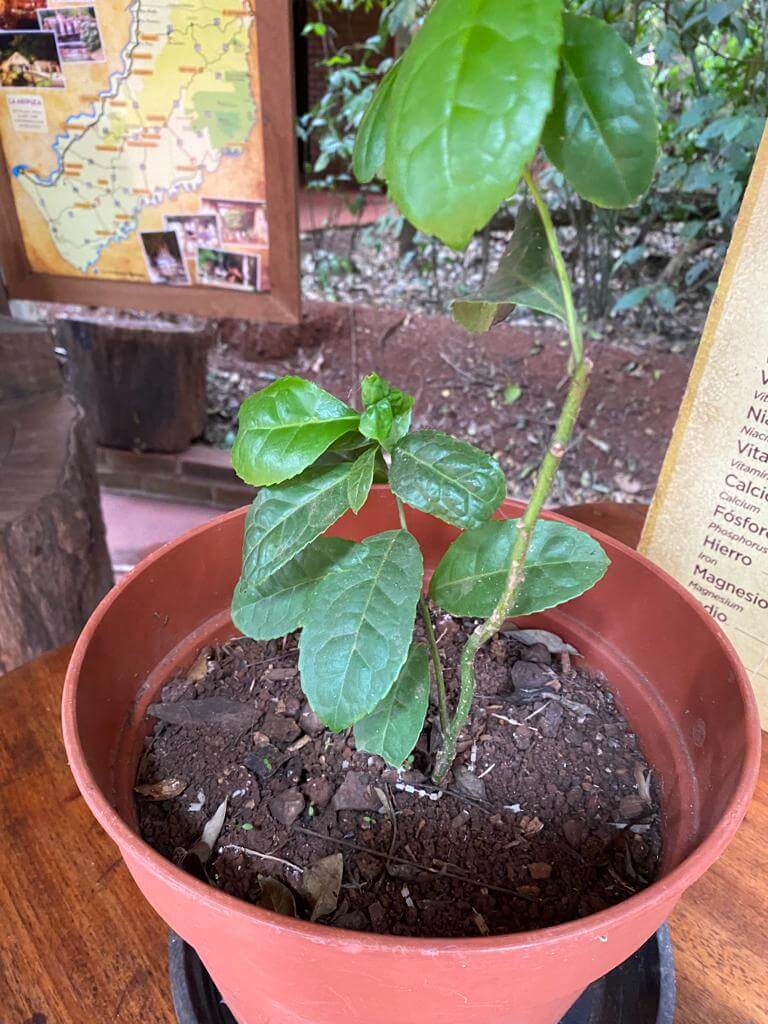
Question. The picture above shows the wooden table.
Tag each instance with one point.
(78, 944)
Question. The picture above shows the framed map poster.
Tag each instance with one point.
(149, 157)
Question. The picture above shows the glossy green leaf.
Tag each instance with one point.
(284, 427)
(358, 628)
(392, 730)
(387, 415)
(277, 605)
(368, 153)
(467, 108)
(361, 478)
(448, 478)
(525, 277)
(347, 449)
(602, 132)
(562, 563)
(284, 519)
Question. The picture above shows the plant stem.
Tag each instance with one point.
(442, 699)
(571, 317)
(550, 464)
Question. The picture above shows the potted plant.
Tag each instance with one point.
(355, 513)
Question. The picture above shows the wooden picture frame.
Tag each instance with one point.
(282, 303)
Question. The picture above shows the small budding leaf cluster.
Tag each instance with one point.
(315, 459)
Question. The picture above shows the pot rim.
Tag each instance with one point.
(595, 925)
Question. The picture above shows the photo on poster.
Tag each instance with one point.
(238, 270)
(77, 33)
(165, 262)
(30, 60)
(19, 15)
(194, 230)
(241, 221)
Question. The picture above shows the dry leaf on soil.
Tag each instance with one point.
(198, 670)
(322, 885)
(276, 896)
(529, 637)
(165, 789)
(205, 844)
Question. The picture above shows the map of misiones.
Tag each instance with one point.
(133, 138)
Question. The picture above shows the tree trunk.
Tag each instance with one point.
(27, 361)
(142, 384)
(54, 564)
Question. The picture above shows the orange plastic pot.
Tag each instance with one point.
(674, 672)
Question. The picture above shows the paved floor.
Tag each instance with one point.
(137, 525)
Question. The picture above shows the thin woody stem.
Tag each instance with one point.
(442, 699)
(571, 316)
(579, 377)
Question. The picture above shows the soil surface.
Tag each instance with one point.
(459, 381)
(550, 812)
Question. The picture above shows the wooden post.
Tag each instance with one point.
(142, 383)
(54, 564)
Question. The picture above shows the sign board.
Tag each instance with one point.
(149, 155)
(708, 525)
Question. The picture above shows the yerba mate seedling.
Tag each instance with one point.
(453, 128)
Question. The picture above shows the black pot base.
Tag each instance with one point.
(639, 991)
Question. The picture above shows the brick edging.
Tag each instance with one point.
(201, 475)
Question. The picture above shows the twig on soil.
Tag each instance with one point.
(471, 377)
(424, 787)
(387, 333)
(393, 819)
(263, 856)
(620, 881)
(411, 863)
(538, 710)
(514, 721)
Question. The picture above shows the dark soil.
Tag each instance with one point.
(550, 813)
(459, 381)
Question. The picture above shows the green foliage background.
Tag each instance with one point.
(709, 64)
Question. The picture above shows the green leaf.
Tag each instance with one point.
(478, 315)
(665, 298)
(392, 730)
(358, 628)
(602, 133)
(361, 478)
(368, 153)
(525, 277)
(377, 421)
(284, 519)
(277, 605)
(448, 478)
(387, 415)
(467, 109)
(511, 393)
(562, 563)
(634, 297)
(284, 427)
(373, 388)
